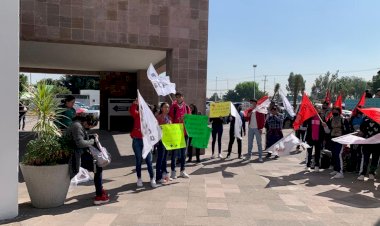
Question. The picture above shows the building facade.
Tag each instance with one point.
(116, 40)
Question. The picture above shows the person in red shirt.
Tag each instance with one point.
(137, 145)
(256, 122)
(177, 114)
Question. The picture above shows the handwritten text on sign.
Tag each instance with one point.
(220, 109)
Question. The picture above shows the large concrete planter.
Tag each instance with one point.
(47, 185)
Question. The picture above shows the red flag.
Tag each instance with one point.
(306, 111)
(328, 97)
(338, 103)
(262, 99)
(372, 113)
(360, 104)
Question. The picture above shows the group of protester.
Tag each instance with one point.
(318, 132)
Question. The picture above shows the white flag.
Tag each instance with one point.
(286, 145)
(352, 139)
(238, 123)
(287, 105)
(150, 129)
(162, 85)
(263, 107)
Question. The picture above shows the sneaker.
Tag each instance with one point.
(276, 157)
(338, 176)
(153, 183)
(361, 177)
(101, 199)
(316, 169)
(184, 174)
(212, 156)
(371, 177)
(308, 169)
(268, 155)
(261, 160)
(139, 183)
(162, 181)
(333, 173)
(220, 156)
(105, 193)
(248, 157)
(173, 175)
(239, 157)
(228, 156)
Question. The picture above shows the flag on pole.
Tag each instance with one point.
(306, 111)
(162, 85)
(286, 103)
(286, 145)
(328, 97)
(372, 113)
(360, 104)
(150, 129)
(238, 122)
(338, 103)
(262, 105)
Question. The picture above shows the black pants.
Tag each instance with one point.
(21, 118)
(356, 156)
(87, 162)
(317, 154)
(217, 131)
(231, 142)
(190, 152)
(368, 150)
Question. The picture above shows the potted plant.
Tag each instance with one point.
(45, 164)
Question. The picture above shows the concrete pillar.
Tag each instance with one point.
(9, 54)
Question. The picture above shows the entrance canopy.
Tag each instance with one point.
(59, 56)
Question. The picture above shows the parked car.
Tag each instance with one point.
(94, 109)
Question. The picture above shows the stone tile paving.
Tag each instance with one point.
(220, 192)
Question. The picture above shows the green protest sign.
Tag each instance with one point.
(173, 136)
(195, 125)
(202, 142)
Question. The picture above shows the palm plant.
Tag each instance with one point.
(49, 147)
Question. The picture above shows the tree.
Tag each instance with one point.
(76, 83)
(243, 91)
(214, 97)
(295, 85)
(322, 84)
(23, 83)
(375, 82)
(350, 87)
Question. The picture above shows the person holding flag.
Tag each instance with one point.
(232, 120)
(138, 145)
(369, 128)
(336, 126)
(315, 136)
(273, 127)
(256, 121)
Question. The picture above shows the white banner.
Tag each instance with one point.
(162, 85)
(238, 123)
(352, 139)
(150, 129)
(288, 107)
(286, 145)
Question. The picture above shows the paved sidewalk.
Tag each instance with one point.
(220, 192)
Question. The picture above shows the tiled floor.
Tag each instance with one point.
(220, 192)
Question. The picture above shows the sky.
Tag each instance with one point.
(304, 37)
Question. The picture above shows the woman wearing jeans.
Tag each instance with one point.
(163, 117)
(137, 145)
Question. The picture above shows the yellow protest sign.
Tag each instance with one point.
(220, 109)
(173, 136)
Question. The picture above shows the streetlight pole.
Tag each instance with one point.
(254, 80)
